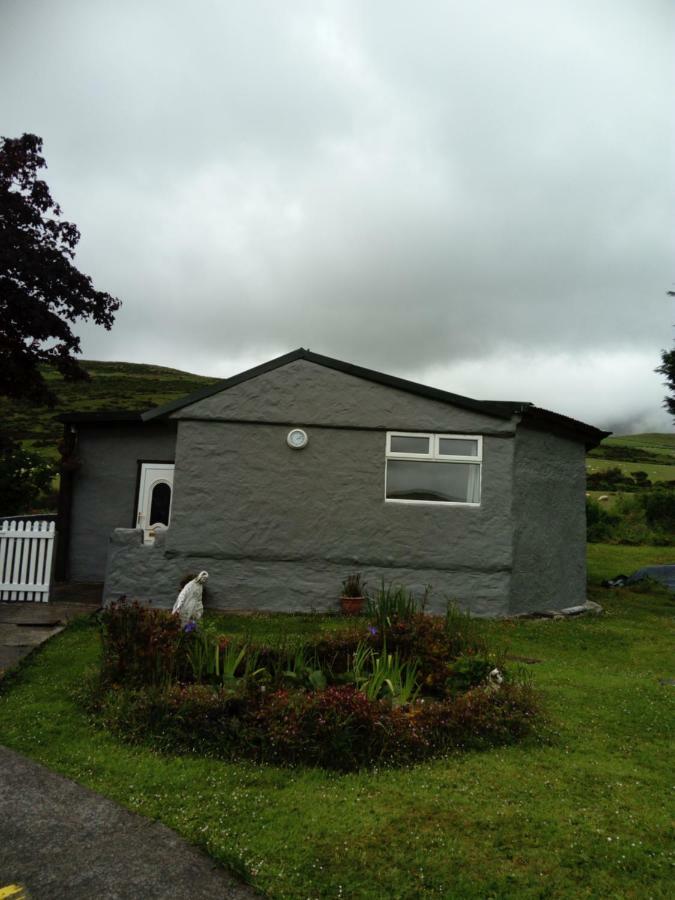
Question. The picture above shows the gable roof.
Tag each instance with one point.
(497, 408)
(532, 415)
(501, 409)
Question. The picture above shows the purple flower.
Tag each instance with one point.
(190, 626)
(372, 629)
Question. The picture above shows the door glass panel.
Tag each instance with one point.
(160, 504)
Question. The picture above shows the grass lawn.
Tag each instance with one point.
(607, 560)
(583, 814)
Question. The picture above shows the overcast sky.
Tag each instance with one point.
(475, 194)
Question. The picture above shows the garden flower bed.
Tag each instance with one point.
(394, 687)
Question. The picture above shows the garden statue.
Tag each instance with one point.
(495, 680)
(189, 604)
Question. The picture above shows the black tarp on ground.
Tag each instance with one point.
(664, 574)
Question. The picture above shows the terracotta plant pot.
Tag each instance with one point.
(352, 606)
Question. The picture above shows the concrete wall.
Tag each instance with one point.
(549, 509)
(104, 490)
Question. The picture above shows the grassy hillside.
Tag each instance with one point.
(113, 386)
(652, 442)
(650, 453)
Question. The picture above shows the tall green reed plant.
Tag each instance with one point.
(392, 603)
(384, 676)
(466, 633)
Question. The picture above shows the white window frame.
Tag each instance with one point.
(434, 455)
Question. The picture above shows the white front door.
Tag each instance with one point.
(155, 496)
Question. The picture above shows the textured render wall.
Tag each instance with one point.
(279, 529)
(549, 551)
(303, 392)
(104, 492)
(139, 571)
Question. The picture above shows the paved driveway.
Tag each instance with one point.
(24, 626)
(59, 840)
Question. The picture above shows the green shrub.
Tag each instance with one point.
(645, 518)
(177, 718)
(612, 479)
(659, 506)
(632, 527)
(404, 691)
(467, 672)
(337, 728)
(600, 523)
(25, 478)
(141, 645)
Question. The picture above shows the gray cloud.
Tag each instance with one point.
(436, 191)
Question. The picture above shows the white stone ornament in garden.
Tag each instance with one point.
(495, 680)
(189, 604)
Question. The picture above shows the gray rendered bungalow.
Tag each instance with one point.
(284, 479)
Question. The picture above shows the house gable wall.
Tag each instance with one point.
(305, 393)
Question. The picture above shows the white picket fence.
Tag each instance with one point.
(26, 553)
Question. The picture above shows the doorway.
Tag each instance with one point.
(155, 497)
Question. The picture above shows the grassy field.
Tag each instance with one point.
(659, 466)
(113, 386)
(654, 472)
(652, 442)
(584, 813)
(606, 560)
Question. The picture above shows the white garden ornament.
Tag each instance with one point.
(189, 604)
(495, 680)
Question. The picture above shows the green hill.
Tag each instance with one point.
(652, 442)
(650, 453)
(113, 386)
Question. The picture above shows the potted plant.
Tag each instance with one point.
(353, 595)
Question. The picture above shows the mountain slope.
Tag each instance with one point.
(113, 386)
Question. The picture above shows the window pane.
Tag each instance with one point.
(409, 444)
(160, 504)
(457, 447)
(444, 482)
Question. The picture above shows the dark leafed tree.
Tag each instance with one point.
(42, 293)
(667, 369)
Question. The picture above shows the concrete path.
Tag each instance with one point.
(24, 626)
(59, 840)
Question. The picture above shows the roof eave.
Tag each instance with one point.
(101, 417)
(564, 426)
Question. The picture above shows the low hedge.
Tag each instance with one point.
(337, 728)
(405, 687)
